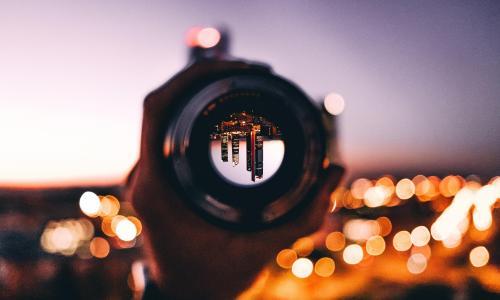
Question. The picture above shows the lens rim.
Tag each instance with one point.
(182, 149)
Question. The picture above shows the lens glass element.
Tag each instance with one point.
(246, 148)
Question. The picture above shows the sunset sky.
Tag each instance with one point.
(420, 79)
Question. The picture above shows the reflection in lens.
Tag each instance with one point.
(261, 144)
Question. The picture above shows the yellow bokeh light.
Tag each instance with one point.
(303, 246)
(405, 189)
(324, 267)
(62, 238)
(90, 204)
(402, 241)
(453, 239)
(302, 267)
(450, 185)
(286, 258)
(479, 256)
(353, 254)
(424, 250)
(335, 241)
(359, 187)
(417, 263)
(420, 236)
(385, 226)
(114, 222)
(208, 37)
(106, 227)
(99, 247)
(360, 229)
(334, 104)
(126, 230)
(482, 218)
(486, 196)
(137, 223)
(376, 196)
(387, 183)
(422, 185)
(109, 206)
(375, 245)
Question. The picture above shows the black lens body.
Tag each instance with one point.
(258, 90)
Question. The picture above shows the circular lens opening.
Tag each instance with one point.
(246, 148)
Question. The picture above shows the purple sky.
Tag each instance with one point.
(421, 79)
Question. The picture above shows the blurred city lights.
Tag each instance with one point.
(417, 263)
(303, 246)
(208, 37)
(402, 241)
(335, 241)
(302, 267)
(479, 256)
(375, 245)
(482, 218)
(324, 267)
(286, 258)
(109, 206)
(334, 104)
(360, 229)
(90, 204)
(424, 250)
(385, 226)
(420, 236)
(405, 189)
(66, 236)
(126, 230)
(353, 254)
(99, 247)
(450, 185)
(376, 196)
(359, 187)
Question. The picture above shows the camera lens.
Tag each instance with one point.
(246, 149)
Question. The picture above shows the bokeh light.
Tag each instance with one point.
(405, 189)
(359, 187)
(90, 204)
(417, 263)
(334, 104)
(99, 247)
(385, 226)
(375, 245)
(286, 258)
(302, 267)
(420, 236)
(335, 241)
(324, 267)
(126, 230)
(303, 246)
(360, 229)
(402, 241)
(479, 256)
(353, 254)
(208, 37)
(109, 206)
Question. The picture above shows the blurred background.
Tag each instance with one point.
(413, 90)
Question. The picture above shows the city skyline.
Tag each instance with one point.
(253, 129)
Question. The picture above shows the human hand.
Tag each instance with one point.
(190, 257)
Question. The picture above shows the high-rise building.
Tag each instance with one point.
(259, 156)
(249, 150)
(235, 149)
(223, 147)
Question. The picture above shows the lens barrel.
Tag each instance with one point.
(260, 125)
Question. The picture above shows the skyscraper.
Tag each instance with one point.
(235, 149)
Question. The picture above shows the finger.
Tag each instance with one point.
(312, 218)
(158, 104)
